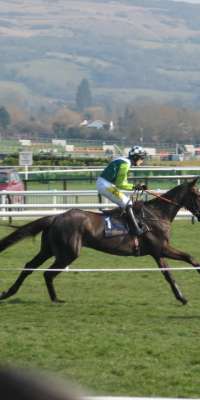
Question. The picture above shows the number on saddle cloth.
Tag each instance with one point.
(116, 226)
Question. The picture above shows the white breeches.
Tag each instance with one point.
(111, 192)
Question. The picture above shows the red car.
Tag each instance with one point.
(10, 180)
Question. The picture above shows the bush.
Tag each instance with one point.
(41, 159)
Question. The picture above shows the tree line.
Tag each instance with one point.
(147, 122)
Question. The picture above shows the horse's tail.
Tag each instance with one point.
(30, 229)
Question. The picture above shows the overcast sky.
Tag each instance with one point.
(190, 1)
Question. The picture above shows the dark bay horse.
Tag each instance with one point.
(63, 236)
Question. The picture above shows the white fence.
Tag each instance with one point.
(45, 202)
(134, 398)
(46, 168)
(175, 173)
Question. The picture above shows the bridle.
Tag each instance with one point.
(162, 198)
(195, 212)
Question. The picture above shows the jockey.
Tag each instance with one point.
(113, 179)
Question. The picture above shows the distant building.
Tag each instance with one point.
(189, 148)
(59, 142)
(97, 124)
(111, 126)
(84, 122)
(25, 142)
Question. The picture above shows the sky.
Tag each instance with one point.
(190, 1)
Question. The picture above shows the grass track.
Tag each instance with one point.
(117, 333)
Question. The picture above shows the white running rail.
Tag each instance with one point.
(50, 202)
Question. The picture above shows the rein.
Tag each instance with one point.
(162, 198)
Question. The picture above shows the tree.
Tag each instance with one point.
(129, 124)
(59, 129)
(4, 117)
(83, 95)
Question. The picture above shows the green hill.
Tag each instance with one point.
(127, 49)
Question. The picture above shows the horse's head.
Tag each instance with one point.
(192, 199)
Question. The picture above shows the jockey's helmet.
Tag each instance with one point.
(137, 153)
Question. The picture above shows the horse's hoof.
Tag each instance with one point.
(2, 295)
(58, 301)
(184, 301)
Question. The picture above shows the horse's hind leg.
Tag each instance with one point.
(34, 263)
(53, 271)
(65, 254)
(167, 274)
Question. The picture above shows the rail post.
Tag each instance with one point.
(3, 201)
(54, 200)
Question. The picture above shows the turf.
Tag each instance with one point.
(116, 333)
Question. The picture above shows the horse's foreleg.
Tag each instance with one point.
(167, 274)
(175, 254)
(34, 263)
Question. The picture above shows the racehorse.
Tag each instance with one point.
(63, 236)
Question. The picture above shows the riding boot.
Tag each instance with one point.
(134, 227)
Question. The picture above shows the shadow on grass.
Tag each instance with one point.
(182, 317)
(18, 301)
(32, 302)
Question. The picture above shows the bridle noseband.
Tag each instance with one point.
(195, 210)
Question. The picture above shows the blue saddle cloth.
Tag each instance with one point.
(115, 227)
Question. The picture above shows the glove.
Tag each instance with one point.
(140, 186)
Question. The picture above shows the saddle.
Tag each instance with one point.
(116, 221)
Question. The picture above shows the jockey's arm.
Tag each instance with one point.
(121, 180)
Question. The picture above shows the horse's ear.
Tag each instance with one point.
(194, 181)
